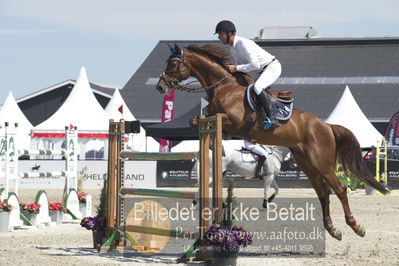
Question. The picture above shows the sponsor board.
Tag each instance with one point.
(138, 174)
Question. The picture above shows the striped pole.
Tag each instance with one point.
(157, 156)
(42, 174)
(158, 193)
(43, 152)
(162, 232)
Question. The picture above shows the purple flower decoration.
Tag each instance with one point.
(93, 223)
(227, 239)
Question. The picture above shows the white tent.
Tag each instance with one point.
(347, 113)
(116, 110)
(80, 109)
(187, 146)
(11, 113)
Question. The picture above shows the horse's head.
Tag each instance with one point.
(175, 71)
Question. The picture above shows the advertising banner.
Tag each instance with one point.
(392, 131)
(165, 145)
(176, 173)
(138, 174)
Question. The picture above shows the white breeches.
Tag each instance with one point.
(256, 148)
(268, 76)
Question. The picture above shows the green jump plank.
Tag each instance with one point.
(207, 119)
(156, 156)
(159, 193)
(161, 232)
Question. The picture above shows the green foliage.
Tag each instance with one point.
(83, 175)
(102, 206)
(347, 179)
(229, 206)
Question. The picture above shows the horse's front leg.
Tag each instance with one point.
(194, 122)
(229, 125)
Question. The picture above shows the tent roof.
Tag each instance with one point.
(80, 109)
(347, 113)
(112, 108)
(11, 113)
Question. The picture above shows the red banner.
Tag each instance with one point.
(392, 131)
(62, 135)
(165, 145)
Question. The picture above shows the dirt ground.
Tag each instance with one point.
(70, 244)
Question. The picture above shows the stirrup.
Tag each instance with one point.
(268, 123)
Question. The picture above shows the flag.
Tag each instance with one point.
(120, 109)
(168, 111)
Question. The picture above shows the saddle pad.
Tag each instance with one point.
(250, 100)
(247, 157)
(283, 111)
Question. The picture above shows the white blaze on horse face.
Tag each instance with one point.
(162, 87)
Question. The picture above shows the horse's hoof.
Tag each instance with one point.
(271, 198)
(361, 231)
(338, 234)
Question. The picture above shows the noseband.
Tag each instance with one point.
(174, 82)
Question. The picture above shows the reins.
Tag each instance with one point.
(200, 89)
(174, 83)
(275, 155)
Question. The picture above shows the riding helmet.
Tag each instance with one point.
(225, 26)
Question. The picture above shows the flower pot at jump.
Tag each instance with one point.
(56, 216)
(31, 217)
(98, 237)
(225, 258)
(4, 221)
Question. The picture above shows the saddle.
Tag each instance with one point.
(282, 102)
(248, 156)
(284, 96)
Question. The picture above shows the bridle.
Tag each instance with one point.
(274, 152)
(174, 82)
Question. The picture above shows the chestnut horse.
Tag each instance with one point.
(316, 145)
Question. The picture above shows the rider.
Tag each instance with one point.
(256, 148)
(250, 57)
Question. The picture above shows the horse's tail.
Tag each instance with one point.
(350, 157)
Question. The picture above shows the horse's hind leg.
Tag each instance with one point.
(321, 191)
(340, 191)
(267, 181)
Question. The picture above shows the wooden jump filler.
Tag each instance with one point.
(210, 131)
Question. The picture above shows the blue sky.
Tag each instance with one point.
(44, 42)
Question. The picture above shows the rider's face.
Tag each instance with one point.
(222, 36)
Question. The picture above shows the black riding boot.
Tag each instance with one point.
(261, 161)
(264, 101)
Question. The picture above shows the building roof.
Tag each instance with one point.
(102, 90)
(294, 32)
(317, 70)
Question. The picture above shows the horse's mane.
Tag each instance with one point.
(218, 54)
(214, 52)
